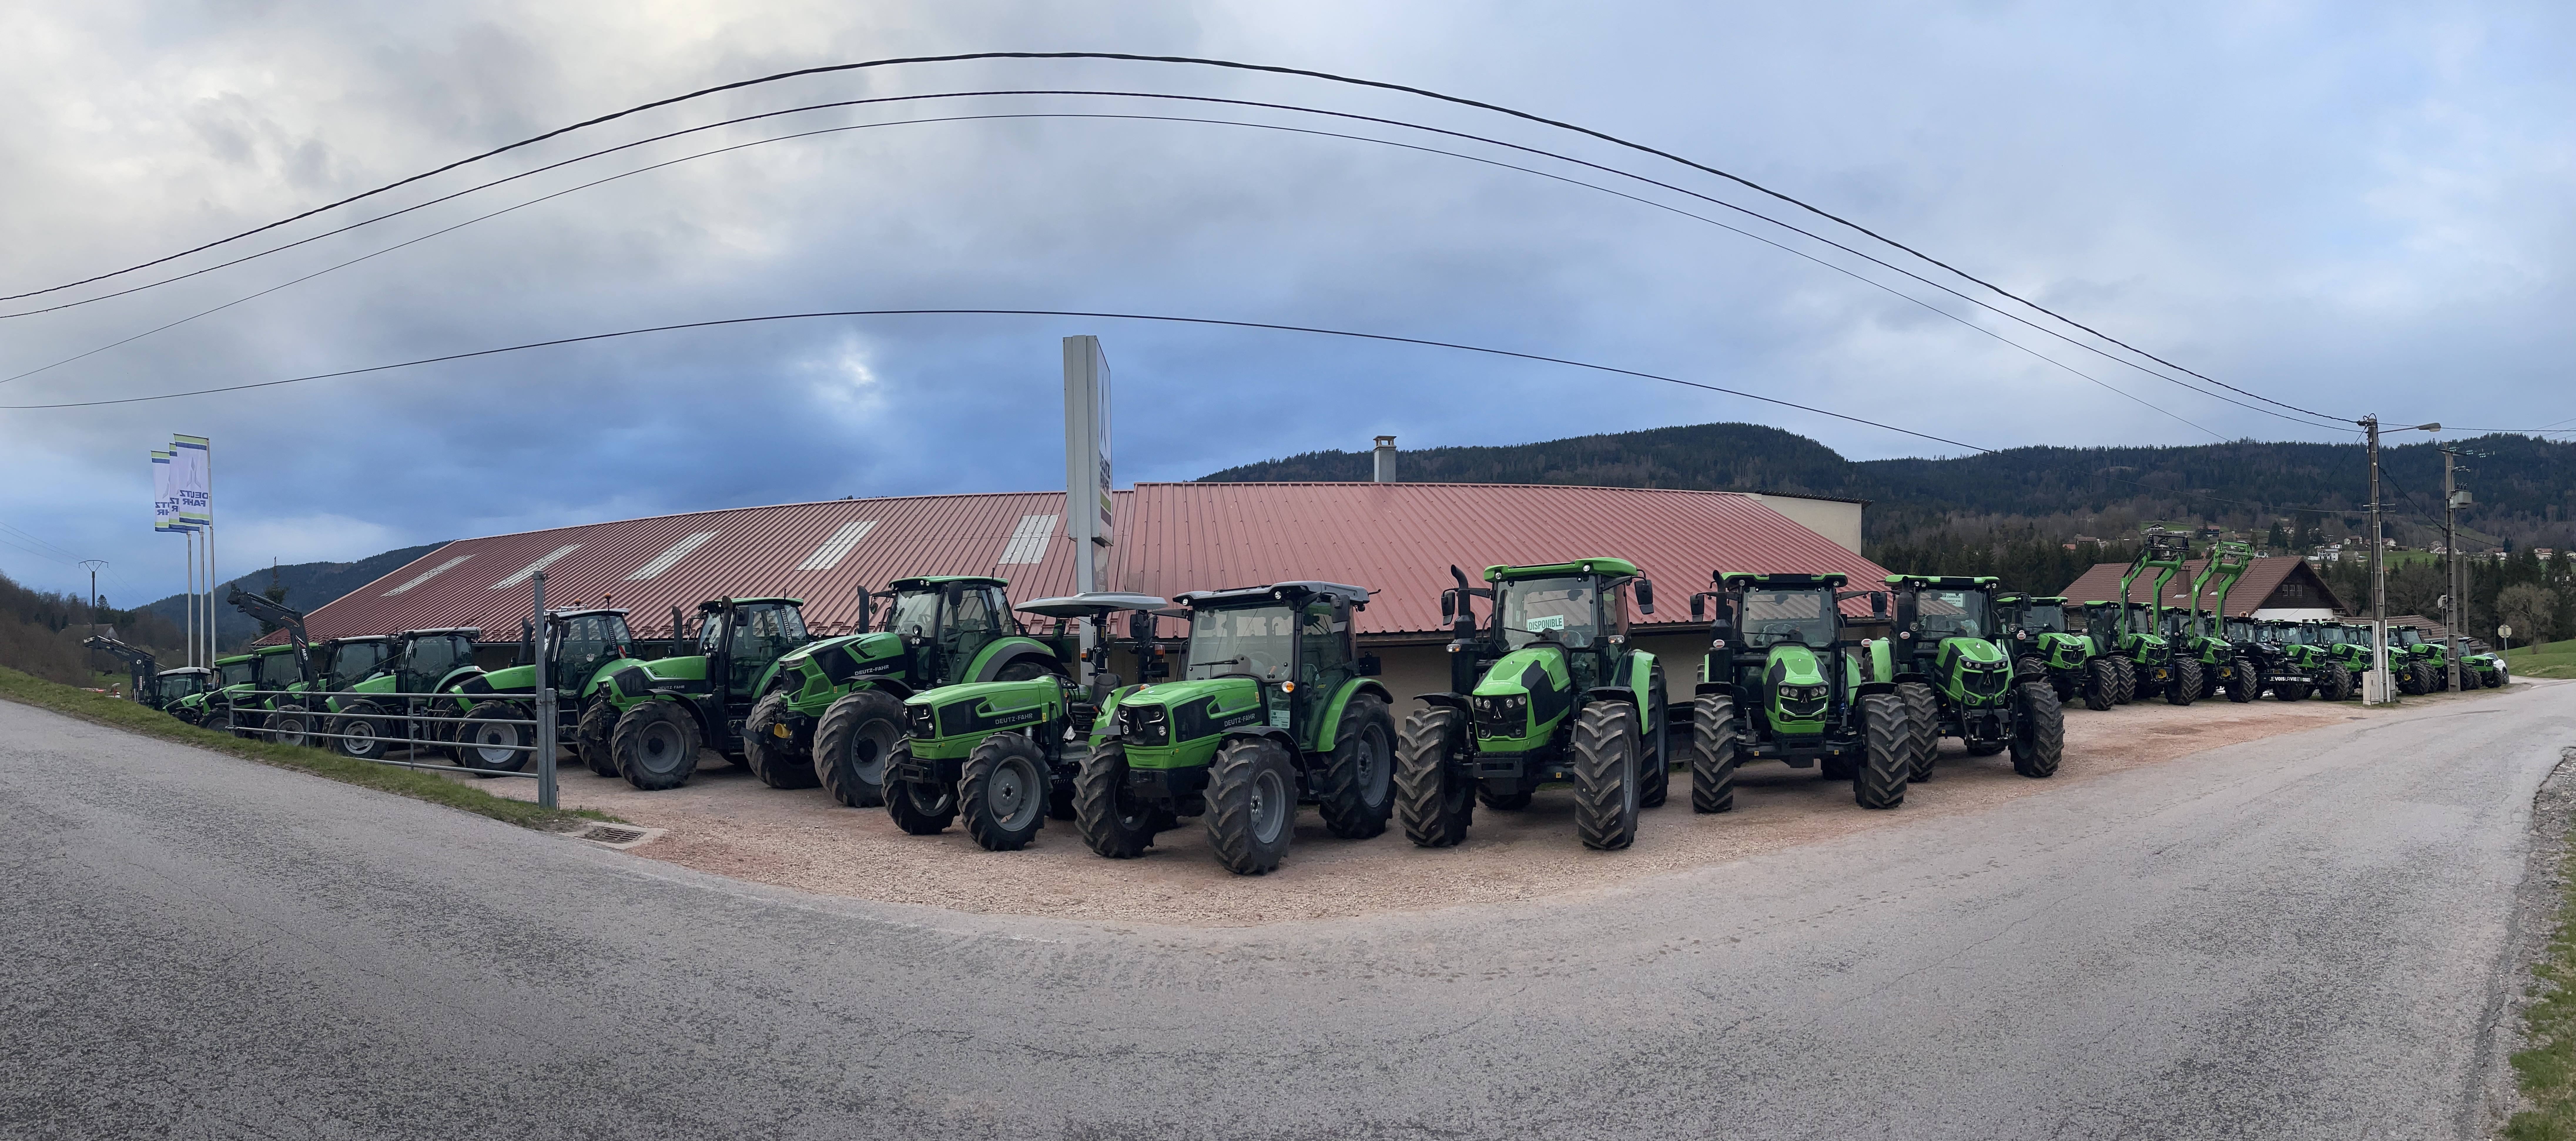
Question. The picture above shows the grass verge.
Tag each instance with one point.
(2548, 659)
(416, 784)
(2546, 1068)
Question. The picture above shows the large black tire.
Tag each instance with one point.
(2182, 687)
(1433, 799)
(1112, 821)
(1655, 747)
(1251, 805)
(2430, 677)
(2246, 685)
(1002, 792)
(2028, 669)
(656, 745)
(1359, 775)
(1887, 757)
(2039, 733)
(1025, 669)
(486, 743)
(2290, 690)
(772, 758)
(360, 732)
(1605, 775)
(1923, 723)
(2101, 683)
(1503, 801)
(2128, 680)
(851, 744)
(2338, 683)
(2410, 680)
(590, 735)
(1713, 753)
(290, 724)
(2208, 680)
(920, 808)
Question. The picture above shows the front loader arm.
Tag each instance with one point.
(278, 614)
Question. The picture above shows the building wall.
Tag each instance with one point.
(1832, 518)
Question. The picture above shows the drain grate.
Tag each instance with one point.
(618, 835)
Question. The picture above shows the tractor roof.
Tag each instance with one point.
(919, 581)
(721, 603)
(184, 670)
(2046, 599)
(1357, 596)
(229, 659)
(1094, 602)
(1611, 568)
(586, 612)
(1946, 582)
(359, 638)
(271, 651)
(475, 632)
(1747, 578)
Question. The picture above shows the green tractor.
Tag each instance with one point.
(2303, 661)
(2105, 638)
(1275, 707)
(1784, 681)
(498, 710)
(211, 707)
(377, 693)
(833, 712)
(2201, 637)
(2420, 666)
(1552, 692)
(1945, 639)
(2488, 667)
(1008, 754)
(666, 709)
(181, 692)
(2043, 649)
(2164, 666)
(279, 704)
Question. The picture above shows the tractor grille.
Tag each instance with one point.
(1145, 724)
(921, 720)
(1985, 680)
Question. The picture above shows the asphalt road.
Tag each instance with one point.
(2309, 936)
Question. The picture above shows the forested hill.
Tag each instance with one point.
(308, 586)
(2525, 490)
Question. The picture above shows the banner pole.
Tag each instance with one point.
(545, 736)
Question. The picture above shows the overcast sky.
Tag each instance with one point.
(2349, 207)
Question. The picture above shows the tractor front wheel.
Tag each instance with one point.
(290, 725)
(1605, 775)
(2128, 680)
(491, 741)
(590, 736)
(1111, 819)
(1002, 792)
(1435, 801)
(361, 732)
(769, 747)
(2338, 683)
(2410, 680)
(1887, 754)
(1251, 805)
(920, 808)
(2101, 684)
(2242, 685)
(656, 745)
(2039, 732)
(1923, 718)
(852, 742)
(1359, 776)
(1713, 754)
(2182, 686)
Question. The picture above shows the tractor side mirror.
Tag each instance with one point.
(1448, 607)
(1878, 603)
(1646, 596)
(1368, 665)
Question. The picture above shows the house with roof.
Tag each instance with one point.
(2283, 588)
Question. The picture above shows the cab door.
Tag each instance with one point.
(975, 617)
(1324, 662)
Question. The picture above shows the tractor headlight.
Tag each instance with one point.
(1506, 715)
(923, 721)
(1145, 724)
(1803, 702)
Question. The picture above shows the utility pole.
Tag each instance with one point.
(2375, 685)
(2451, 555)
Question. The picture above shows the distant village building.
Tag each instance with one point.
(2287, 589)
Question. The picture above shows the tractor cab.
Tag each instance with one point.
(945, 625)
(344, 662)
(1273, 707)
(668, 708)
(1784, 680)
(2044, 650)
(173, 689)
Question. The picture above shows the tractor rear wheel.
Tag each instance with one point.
(2338, 682)
(1359, 776)
(852, 742)
(2128, 668)
(489, 743)
(772, 757)
(1110, 818)
(1713, 754)
(2410, 680)
(2209, 680)
(290, 724)
(1002, 792)
(920, 808)
(2243, 685)
(361, 732)
(1923, 718)
(2039, 732)
(1887, 755)
(2101, 683)
(1605, 775)
(656, 745)
(2182, 687)
(590, 735)
(1655, 747)
(1435, 801)
(1251, 805)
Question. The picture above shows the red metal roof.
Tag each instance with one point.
(2261, 578)
(1396, 539)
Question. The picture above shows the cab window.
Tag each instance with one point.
(430, 658)
(974, 611)
(1325, 644)
(277, 671)
(1559, 610)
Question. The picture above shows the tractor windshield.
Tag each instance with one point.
(2241, 630)
(351, 662)
(1781, 617)
(176, 686)
(1953, 613)
(1246, 641)
(1558, 610)
(237, 672)
(584, 642)
(2042, 617)
(2409, 636)
(277, 671)
(914, 611)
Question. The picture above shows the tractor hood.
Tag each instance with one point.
(1973, 671)
(847, 653)
(1794, 690)
(963, 715)
(2063, 651)
(1179, 724)
(1520, 700)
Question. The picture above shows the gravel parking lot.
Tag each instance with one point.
(728, 823)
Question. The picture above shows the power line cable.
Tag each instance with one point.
(1231, 65)
(729, 321)
(1845, 270)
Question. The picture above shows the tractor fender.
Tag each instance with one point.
(1619, 693)
(1721, 688)
(1882, 659)
(993, 659)
(1869, 688)
(1457, 701)
(884, 683)
(1641, 681)
(1331, 722)
(1284, 739)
